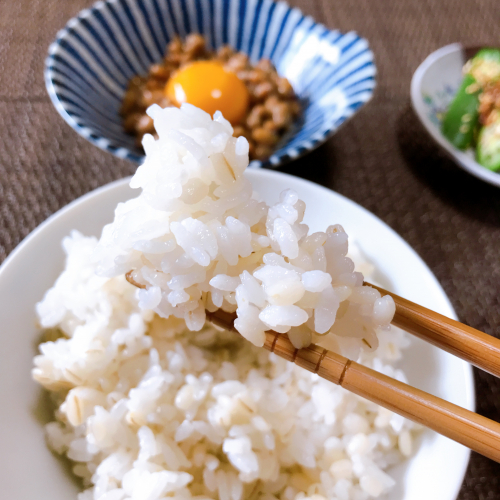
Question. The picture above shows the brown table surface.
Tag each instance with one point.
(382, 159)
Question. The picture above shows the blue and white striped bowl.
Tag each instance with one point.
(94, 56)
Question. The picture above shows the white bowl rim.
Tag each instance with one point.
(463, 160)
(469, 388)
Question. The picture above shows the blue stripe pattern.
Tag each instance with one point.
(94, 56)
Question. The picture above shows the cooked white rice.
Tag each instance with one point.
(197, 238)
(147, 411)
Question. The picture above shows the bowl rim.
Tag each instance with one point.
(287, 155)
(463, 160)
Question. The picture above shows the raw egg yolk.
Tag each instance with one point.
(207, 85)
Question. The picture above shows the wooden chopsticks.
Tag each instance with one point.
(478, 348)
(468, 428)
(472, 430)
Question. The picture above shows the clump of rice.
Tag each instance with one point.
(198, 238)
(148, 411)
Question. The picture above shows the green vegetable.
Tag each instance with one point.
(488, 145)
(462, 115)
(484, 66)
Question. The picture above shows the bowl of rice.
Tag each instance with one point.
(143, 400)
(92, 64)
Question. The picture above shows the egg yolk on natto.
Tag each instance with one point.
(207, 85)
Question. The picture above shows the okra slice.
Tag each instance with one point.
(488, 145)
(484, 66)
(462, 115)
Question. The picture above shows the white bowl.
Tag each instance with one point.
(28, 470)
(433, 87)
